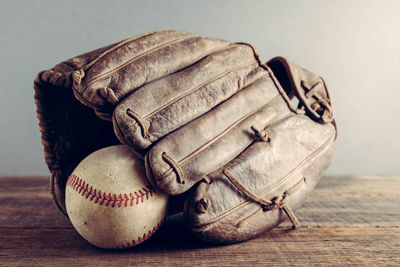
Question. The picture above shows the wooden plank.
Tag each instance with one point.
(303, 247)
(353, 201)
(26, 202)
(347, 220)
(359, 185)
(337, 201)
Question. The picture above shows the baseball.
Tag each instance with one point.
(110, 202)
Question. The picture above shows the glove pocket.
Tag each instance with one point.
(261, 187)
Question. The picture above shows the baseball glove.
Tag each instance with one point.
(271, 177)
(257, 155)
(99, 80)
(205, 114)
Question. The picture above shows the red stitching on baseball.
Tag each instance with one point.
(109, 200)
(140, 239)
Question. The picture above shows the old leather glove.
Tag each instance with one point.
(206, 114)
(100, 79)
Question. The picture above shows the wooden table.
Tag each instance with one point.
(348, 220)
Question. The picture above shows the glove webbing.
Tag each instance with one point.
(277, 202)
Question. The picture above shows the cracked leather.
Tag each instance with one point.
(168, 103)
(217, 137)
(126, 66)
(67, 94)
(193, 107)
(290, 163)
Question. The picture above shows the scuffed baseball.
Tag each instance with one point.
(110, 202)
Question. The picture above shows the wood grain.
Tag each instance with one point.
(347, 221)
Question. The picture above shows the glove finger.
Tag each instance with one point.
(280, 172)
(122, 68)
(160, 107)
(182, 158)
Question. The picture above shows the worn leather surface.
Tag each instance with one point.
(218, 136)
(215, 138)
(193, 107)
(67, 94)
(290, 163)
(136, 61)
(170, 102)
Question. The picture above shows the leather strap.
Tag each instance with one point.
(309, 88)
(277, 202)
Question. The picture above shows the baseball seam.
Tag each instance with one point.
(102, 198)
(140, 239)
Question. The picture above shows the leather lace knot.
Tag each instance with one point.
(261, 135)
(203, 204)
(275, 203)
(77, 76)
(180, 177)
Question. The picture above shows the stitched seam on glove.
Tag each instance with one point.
(220, 135)
(274, 79)
(200, 86)
(271, 187)
(110, 72)
(210, 142)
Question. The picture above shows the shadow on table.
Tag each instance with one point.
(173, 235)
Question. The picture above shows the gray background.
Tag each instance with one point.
(354, 45)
